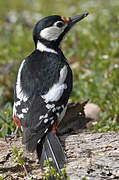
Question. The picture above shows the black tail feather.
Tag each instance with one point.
(50, 147)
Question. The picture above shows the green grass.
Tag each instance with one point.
(6, 123)
(48, 171)
(92, 45)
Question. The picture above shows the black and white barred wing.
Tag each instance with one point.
(37, 112)
(39, 120)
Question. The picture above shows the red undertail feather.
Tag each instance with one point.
(17, 122)
(54, 127)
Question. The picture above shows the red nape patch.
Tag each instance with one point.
(54, 128)
(17, 122)
(65, 19)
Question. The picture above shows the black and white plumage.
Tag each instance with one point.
(42, 89)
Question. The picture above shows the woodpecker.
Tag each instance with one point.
(42, 88)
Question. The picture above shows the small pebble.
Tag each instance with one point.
(92, 111)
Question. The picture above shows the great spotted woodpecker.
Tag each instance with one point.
(42, 88)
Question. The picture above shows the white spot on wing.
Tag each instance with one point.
(39, 140)
(19, 92)
(18, 103)
(45, 120)
(20, 116)
(25, 110)
(62, 106)
(51, 118)
(41, 117)
(56, 91)
(54, 109)
(58, 107)
(41, 47)
(50, 106)
(46, 115)
(46, 130)
(52, 122)
(57, 114)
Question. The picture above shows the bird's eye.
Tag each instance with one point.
(60, 24)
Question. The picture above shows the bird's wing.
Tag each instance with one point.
(39, 120)
(36, 111)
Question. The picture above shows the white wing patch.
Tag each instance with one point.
(19, 92)
(56, 91)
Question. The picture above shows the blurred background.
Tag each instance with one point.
(91, 47)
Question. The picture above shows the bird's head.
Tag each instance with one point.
(51, 30)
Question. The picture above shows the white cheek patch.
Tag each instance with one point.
(56, 91)
(52, 33)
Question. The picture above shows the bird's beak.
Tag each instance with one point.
(76, 19)
(70, 22)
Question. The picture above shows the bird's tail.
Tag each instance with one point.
(50, 147)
